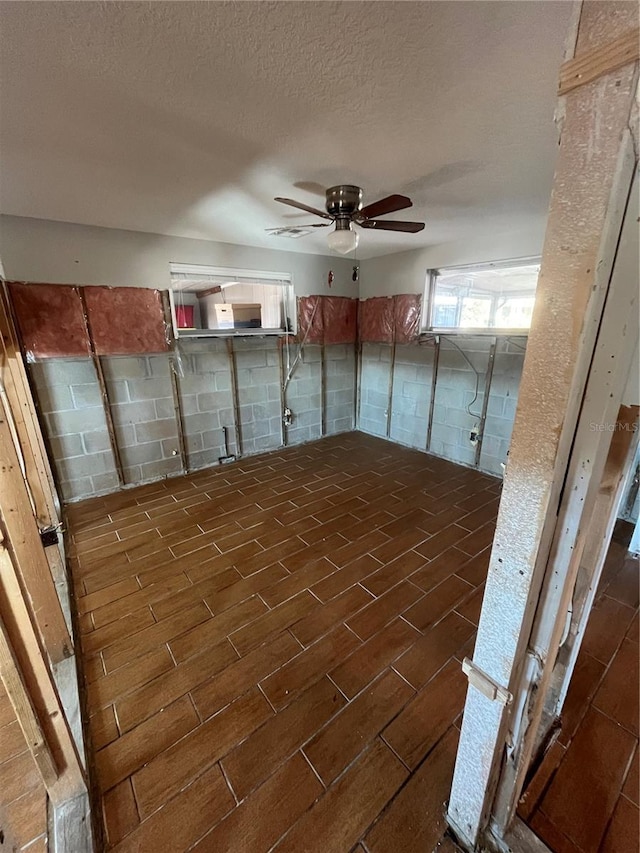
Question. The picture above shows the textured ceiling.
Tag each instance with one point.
(186, 118)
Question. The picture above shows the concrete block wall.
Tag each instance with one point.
(204, 380)
(304, 396)
(142, 408)
(74, 421)
(143, 416)
(257, 363)
(375, 365)
(455, 409)
(340, 388)
(412, 378)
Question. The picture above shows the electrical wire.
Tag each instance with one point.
(475, 396)
(291, 369)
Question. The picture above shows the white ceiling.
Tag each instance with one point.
(186, 118)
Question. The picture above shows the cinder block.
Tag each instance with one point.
(96, 442)
(76, 421)
(222, 381)
(155, 430)
(252, 394)
(75, 490)
(66, 446)
(161, 469)
(84, 466)
(212, 362)
(117, 367)
(246, 358)
(86, 396)
(132, 475)
(134, 413)
(105, 483)
(201, 422)
(165, 408)
(62, 372)
(56, 398)
(117, 391)
(193, 443)
(267, 442)
(499, 427)
(213, 401)
(203, 459)
(125, 435)
(149, 389)
(159, 365)
(141, 453)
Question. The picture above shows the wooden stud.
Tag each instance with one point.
(323, 391)
(104, 394)
(357, 391)
(600, 60)
(283, 392)
(30, 657)
(234, 395)
(175, 382)
(24, 537)
(392, 366)
(432, 395)
(24, 710)
(485, 399)
(539, 482)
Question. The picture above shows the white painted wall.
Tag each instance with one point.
(42, 250)
(405, 272)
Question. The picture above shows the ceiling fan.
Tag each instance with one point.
(344, 207)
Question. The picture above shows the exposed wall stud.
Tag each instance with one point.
(485, 399)
(234, 395)
(283, 392)
(392, 365)
(30, 656)
(432, 395)
(175, 382)
(104, 394)
(24, 537)
(573, 296)
(357, 390)
(323, 390)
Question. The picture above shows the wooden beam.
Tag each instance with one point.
(432, 392)
(603, 59)
(24, 540)
(31, 659)
(24, 710)
(23, 410)
(104, 394)
(175, 381)
(234, 396)
(588, 203)
(485, 399)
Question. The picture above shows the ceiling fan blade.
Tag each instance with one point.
(386, 205)
(383, 225)
(301, 206)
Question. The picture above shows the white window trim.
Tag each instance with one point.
(430, 284)
(285, 279)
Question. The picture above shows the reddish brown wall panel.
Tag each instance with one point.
(310, 328)
(376, 320)
(51, 320)
(340, 319)
(126, 320)
(407, 317)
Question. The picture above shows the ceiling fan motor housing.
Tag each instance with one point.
(344, 200)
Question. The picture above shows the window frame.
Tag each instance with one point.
(284, 279)
(430, 288)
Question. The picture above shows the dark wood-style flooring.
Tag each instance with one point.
(272, 648)
(272, 655)
(584, 797)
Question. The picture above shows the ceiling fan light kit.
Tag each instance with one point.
(344, 207)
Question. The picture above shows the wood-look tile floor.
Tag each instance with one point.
(584, 797)
(272, 648)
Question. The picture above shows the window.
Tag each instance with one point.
(220, 301)
(488, 296)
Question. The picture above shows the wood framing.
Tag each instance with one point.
(485, 399)
(16, 514)
(233, 370)
(64, 779)
(104, 395)
(601, 60)
(594, 172)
